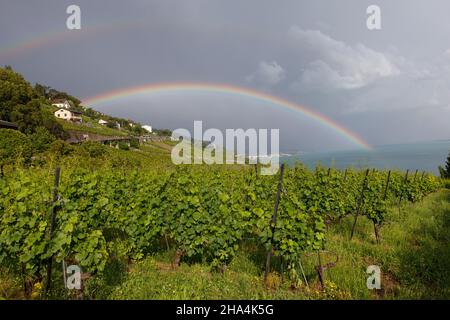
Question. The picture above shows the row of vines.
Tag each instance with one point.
(204, 212)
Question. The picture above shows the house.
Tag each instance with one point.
(8, 125)
(148, 128)
(68, 115)
(61, 103)
(102, 122)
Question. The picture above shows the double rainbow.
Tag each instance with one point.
(55, 37)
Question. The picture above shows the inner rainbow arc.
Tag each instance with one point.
(233, 90)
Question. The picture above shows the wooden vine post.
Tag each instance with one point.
(386, 188)
(274, 221)
(52, 228)
(320, 270)
(405, 180)
(360, 200)
(415, 175)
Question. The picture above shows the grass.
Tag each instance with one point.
(159, 147)
(413, 257)
(94, 128)
(10, 285)
(155, 279)
(446, 183)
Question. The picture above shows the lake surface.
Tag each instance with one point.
(425, 156)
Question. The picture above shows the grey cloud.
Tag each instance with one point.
(420, 86)
(268, 73)
(337, 65)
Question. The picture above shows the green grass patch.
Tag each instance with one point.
(92, 128)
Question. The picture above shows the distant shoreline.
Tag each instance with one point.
(422, 156)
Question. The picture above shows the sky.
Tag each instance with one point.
(386, 86)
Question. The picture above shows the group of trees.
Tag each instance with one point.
(39, 131)
(13, 145)
(163, 132)
(26, 106)
(22, 104)
(17, 147)
(51, 94)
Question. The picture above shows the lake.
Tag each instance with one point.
(425, 156)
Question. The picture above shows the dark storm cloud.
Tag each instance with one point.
(380, 84)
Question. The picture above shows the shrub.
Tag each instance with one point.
(123, 146)
(134, 143)
(41, 140)
(446, 183)
(61, 148)
(14, 146)
(94, 149)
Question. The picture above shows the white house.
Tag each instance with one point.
(61, 103)
(68, 115)
(102, 122)
(148, 128)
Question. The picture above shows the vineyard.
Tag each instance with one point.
(202, 213)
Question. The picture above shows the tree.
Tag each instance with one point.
(162, 132)
(20, 103)
(31, 116)
(134, 143)
(14, 90)
(445, 171)
(53, 126)
(41, 139)
(61, 148)
(93, 149)
(112, 125)
(28, 116)
(54, 94)
(91, 113)
(123, 146)
(138, 130)
(14, 146)
(42, 90)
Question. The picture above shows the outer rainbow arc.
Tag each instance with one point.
(229, 89)
(53, 37)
